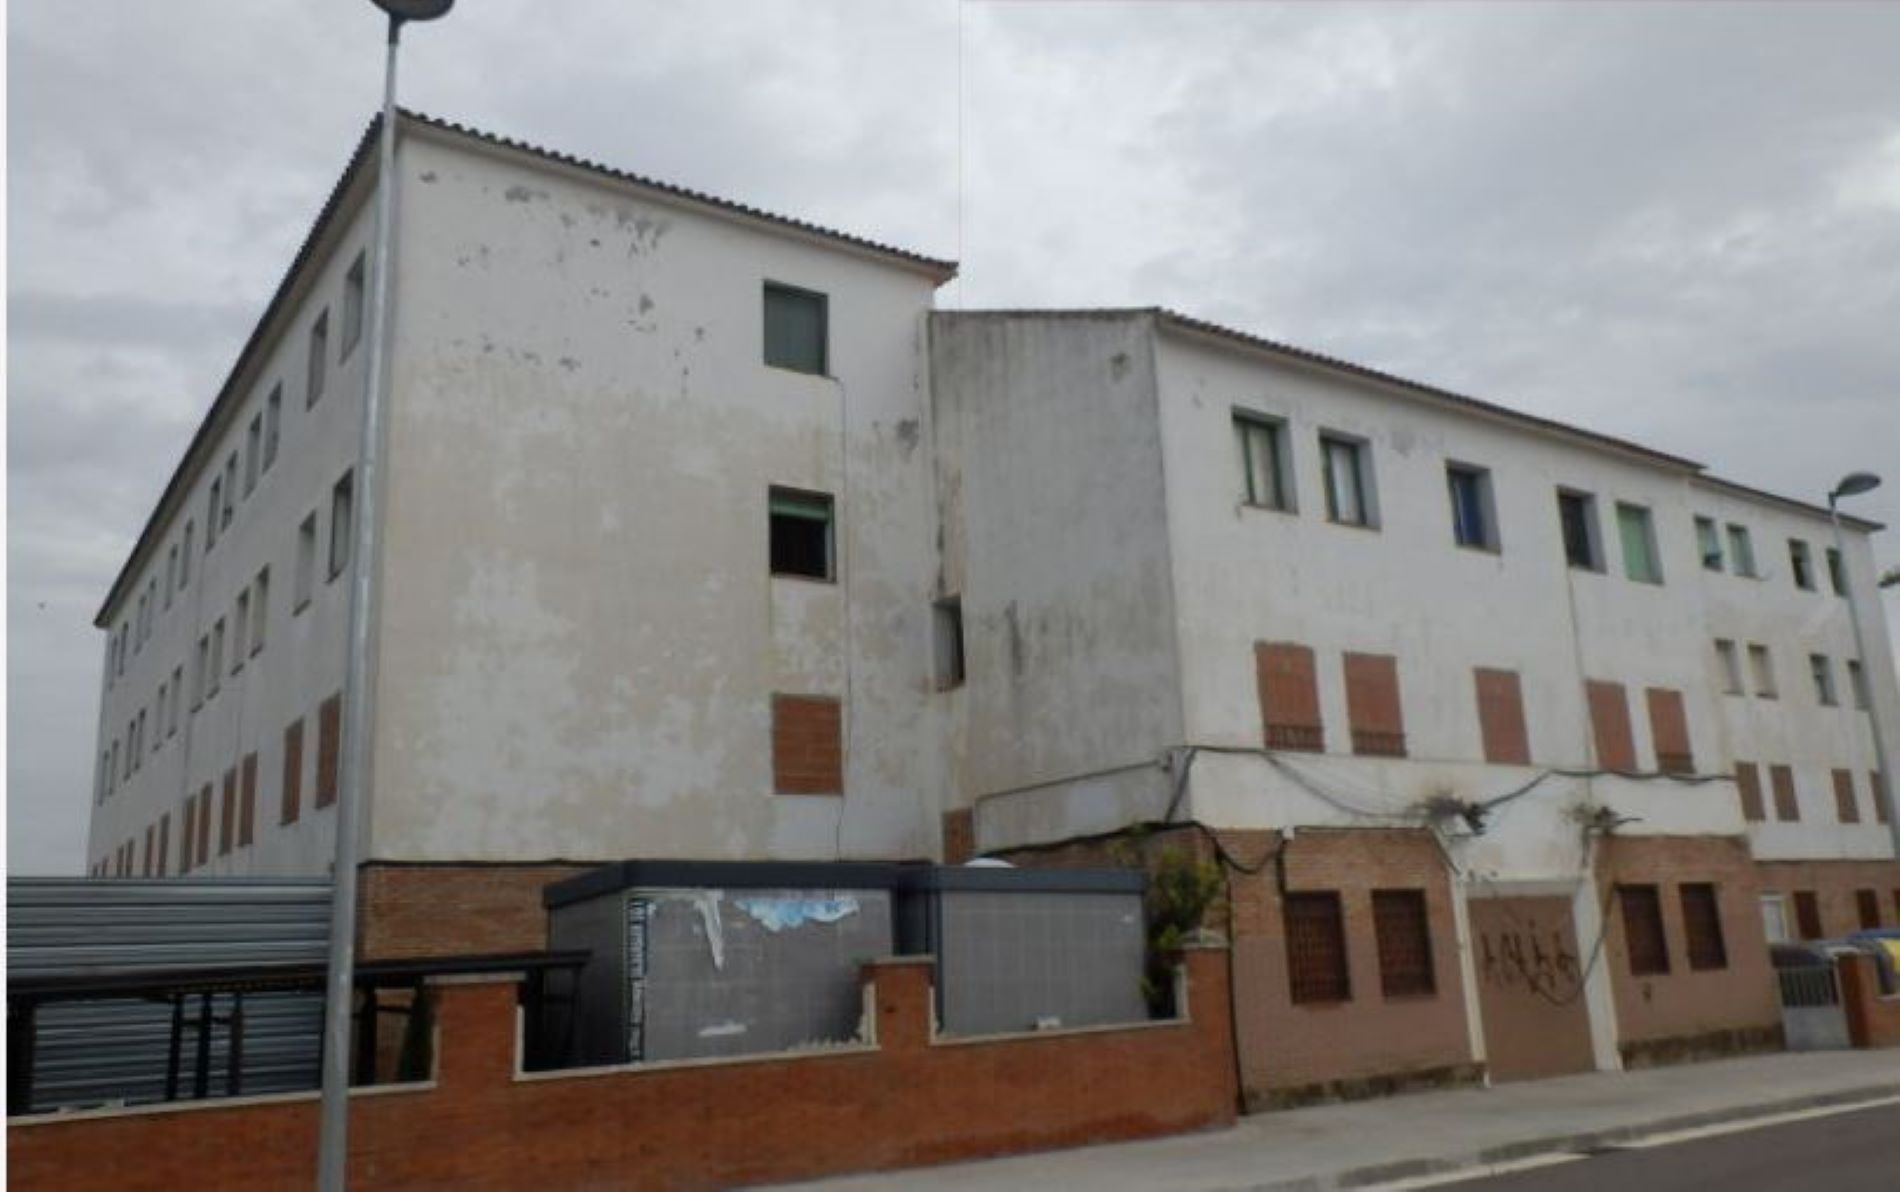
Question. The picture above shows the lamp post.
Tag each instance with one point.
(1853, 484)
(333, 1134)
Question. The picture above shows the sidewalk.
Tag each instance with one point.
(1368, 1142)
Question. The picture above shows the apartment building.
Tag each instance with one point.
(703, 535)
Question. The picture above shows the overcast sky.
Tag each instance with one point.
(1678, 224)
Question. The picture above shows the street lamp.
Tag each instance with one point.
(1852, 485)
(333, 1142)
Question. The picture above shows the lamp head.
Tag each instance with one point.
(1855, 483)
(414, 10)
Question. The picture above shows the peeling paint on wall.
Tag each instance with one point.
(780, 914)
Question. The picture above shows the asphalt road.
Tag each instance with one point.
(1856, 1151)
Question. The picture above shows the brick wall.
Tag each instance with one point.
(454, 910)
(1872, 1020)
(1689, 1013)
(807, 745)
(908, 1100)
(1834, 884)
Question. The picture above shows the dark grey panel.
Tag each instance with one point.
(1008, 961)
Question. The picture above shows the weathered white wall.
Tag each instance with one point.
(1054, 534)
(303, 658)
(578, 636)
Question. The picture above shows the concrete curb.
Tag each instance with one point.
(1475, 1161)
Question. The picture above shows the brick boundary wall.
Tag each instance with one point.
(1873, 1020)
(908, 1098)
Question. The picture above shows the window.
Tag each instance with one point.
(1877, 792)
(217, 657)
(1836, 574)
(1347, 474)
(1763, 668)
(158, 721)
(184, 557)
(230, 492)
(1708, 541)
(1315, 948)
(260, 610)
(807, 745)
(1748, 785)
(1867, 905)
(227, 812)
(171, 573)
(1473, 512)
(795, 331)
(247, 800)
(801, 534)
(329, 748)
(352, 307)
(1741, 548)
(204, 825)
(1643, 934)
(1638, 534)
(1846, 807)
(1405, 943)
(199, 671)
(1807, 915)
(138, 626)
(1787, 806)
(340, 524)
(1730, 663)
(1501, 717)
(1577, 514)
(306, 561)
(319, 345)
(240, 628)
(293, 771)
(1857, 682)
(164, 841)
(273, 418)
(112, 768)
(178, 697)
(1264, 467)
(1669, 729)
(1823, 672)
(1610, 725)
(1800, 565)
(1289, 696)
(211, 512)
(253, 446)
(947, 638)
(190, 833)
(1702, 927)
(1372, 705)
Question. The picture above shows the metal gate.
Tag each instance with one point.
(1812, 1016)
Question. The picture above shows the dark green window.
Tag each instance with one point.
(795, 329)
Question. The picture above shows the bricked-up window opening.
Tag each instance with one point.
(1807, 915)
(227, 812)
(164, 841)
(1474, 516)
(1836, 575)
(1346, 469)
(329, 747)
(1787, 807)
(947, 641)
(342, 524)
(1643, 930)
(1289, 696)
(247, 801)
(319, 348)
(1669, 728)
(1857, 683)
(1501, 717)
(293, 772)
(1748, 786)
(801, 534)
(1867, 904)
(1610, 725)
(1702, 926)
(1405, 943)
(1577, 515)
(186, 837)
(1741, 548)
(1729, 662)
(1265, 470)
(1800, 565)
(796, 331)
(807, 745)
(1708, 542)
(1316, 948)
(1823, 672)
(273, 424)
(1637, 532)
(352, 308)
(1372, 705)
(145, 854)
(204, 825)
(1762, 664)
(1846, 808)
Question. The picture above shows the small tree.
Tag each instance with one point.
(1181, 888)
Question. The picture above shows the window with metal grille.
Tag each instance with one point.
(1643, 930)
(1702, 926)
(1867, 902)
(1405, 943)
(1807, 915)
(1316, 948)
